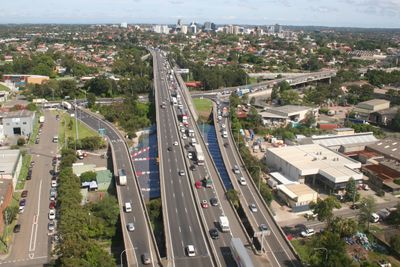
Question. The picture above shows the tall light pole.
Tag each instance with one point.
(120, 257)
(259, 177)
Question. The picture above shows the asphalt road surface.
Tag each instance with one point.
(31, 246)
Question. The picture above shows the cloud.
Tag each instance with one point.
(324, 9)
(376, 7)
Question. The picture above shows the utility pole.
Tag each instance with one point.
(76, 125)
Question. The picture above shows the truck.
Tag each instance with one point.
(66, 105)
(199, 154)
(122, 177)
(224, 224)
(240, 254)
(207, 181)
(41, 119)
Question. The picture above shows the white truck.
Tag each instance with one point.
(122, 177)
(224, 224)
(199, 154)
(41, 119)
(66, 105)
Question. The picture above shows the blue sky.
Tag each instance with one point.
(357, 13)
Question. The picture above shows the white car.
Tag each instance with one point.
(307, 232)
(253, 207)
(190, 251)
(223, 126)
(181, 172)
(175, 143)
(242, 181)
(53, 183)
(184, 136)
(52, 214)
(190, 155)
(131, 227)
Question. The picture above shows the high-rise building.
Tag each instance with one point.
(124, 25)
(278, 28)
(193, 28)
(184, 29)
(157, 28)
(165, 29)
(207, 26)
(235, 30)
(178, 26)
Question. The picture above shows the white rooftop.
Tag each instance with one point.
(316, 159)
(8, 160)
(342, 140)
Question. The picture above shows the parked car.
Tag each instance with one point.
(52, 205)
(24, 193)
(52, 214)
(51, 226)
(17, 228)
(22, 202)
(307, 232)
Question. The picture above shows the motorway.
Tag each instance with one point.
(275, 245)
(183, 224)
(31, 246)
(139, 241)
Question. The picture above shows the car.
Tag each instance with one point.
(128, 207)
(52, 205)
(29, 176)
(184, 136)
(181, 173)
(175, 143)
(226, 145)
(21, 209)
(263, 227)
(24, 193)
(214, 233)
(169, 148)
(17, 228)
(307, 232)
(52, 214)
(54, 178)
(190, 251)
(236, 169)
(146, 259)
(192, 167)
(37, 141)
(253, 207)
(183, 129)
(131, 227)
(242, 181)
(223, 126)
(51, 226)
(197, 184)
(190, 155)
(53, 183)
(22, 202)
(204, 204)
(214, 201)
(187, 146)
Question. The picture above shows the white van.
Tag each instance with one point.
(374, 218)
(128, 207)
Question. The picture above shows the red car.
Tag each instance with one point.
(204, 204)
(52, 205)
(24, 193)
(197, 184)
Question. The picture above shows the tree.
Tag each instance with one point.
(21, 141)
(91, 100)
(233, 196)
(324, 208)
(290, 97)
(309, 120)
(395, 243)
(342, 226)
(368, 206)
(351, 191)
(88, 176)
(394, 216)
(9, 214)
(395, 124)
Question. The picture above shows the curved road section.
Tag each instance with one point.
(139, 241)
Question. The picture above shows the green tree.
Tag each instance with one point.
(395, 124)
(309, 120)
(324, 208)
(91, 100)
(394, 216)
(351, 191)
(10, 214)
(368, 206)
(290, 97)
(88, 176)
(395, 243)
(342, 226)
(233, 196)
(21, 141)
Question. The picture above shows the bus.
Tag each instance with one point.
(199, 154)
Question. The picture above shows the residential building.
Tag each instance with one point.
(314, 164)
(17, 123)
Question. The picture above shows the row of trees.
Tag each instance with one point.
(82, 229)
(381, 77)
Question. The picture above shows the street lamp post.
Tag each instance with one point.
(120, 257)
(259, 177)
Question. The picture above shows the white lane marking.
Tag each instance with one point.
(32, 241)
(186, 210)
(190, 228)
(180, 230)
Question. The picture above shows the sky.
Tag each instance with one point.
(338, 13)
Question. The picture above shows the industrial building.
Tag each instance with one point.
(280, 116)
(297, 196)
(16, 123)
(10, 165)
(313, 164)
(364, 109)
(24, 79)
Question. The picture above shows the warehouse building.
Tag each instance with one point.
(17, 123)
(314, 164)
(23, 79)
(364, 109)
(297, 196)
(285, 114)
(10, 164)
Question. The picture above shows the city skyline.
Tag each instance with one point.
(343, 13)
